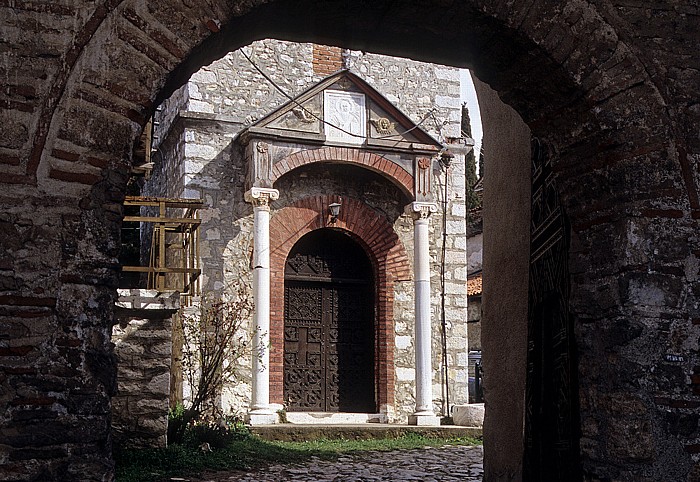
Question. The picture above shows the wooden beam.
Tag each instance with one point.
(147, 269)
(151, 219)
(169, 202)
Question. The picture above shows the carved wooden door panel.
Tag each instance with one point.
(304, 366)
(329, 326)
(328, 346)
(551, 392)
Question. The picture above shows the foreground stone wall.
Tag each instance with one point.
(504, 304)
(612, 86)
(143, 348)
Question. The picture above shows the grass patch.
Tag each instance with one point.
(142, 465)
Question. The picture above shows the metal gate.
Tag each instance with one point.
(329, 326)
(551, 393)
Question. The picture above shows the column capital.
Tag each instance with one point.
(261, 196)
(421, 210)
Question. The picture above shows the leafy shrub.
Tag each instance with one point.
(185, 429)
(217, 433)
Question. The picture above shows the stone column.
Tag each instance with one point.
(260, 412)
(424, 415)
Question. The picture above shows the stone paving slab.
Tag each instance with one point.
(430, 464)
(304, 432)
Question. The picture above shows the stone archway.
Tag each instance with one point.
(611, 90)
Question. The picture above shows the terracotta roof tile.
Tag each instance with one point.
(474, 285)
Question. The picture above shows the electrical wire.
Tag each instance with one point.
(443, 319)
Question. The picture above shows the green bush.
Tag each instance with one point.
(218, 434)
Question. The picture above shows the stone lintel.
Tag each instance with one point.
(151, 304)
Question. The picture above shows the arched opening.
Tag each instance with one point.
(578, 73)
(390, 263)
(329, 325)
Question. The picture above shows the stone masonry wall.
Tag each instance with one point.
(612, 86)
(229, 94)
(142, 339)
(140, 407)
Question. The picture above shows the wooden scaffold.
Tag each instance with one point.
(174, 251)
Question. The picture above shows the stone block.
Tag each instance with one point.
(262, 418)
(403, 342)
(405, 374)
(424, 420)
(135, 303)
(471, 415)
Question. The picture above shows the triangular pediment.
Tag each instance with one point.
(343, 109)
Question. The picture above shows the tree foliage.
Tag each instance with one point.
(473, 200)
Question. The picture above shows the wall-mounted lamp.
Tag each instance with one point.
(446, 158)
(334, 209)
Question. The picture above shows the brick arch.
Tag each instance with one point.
(384, 167)
(389, 261)
(611, 89)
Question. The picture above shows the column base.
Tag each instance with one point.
(424, 420)
(262, 417)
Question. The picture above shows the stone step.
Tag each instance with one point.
(289, 432)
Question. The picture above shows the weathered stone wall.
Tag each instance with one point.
(505, 287)
(474, 327)
(143, 347)
(612, 86)
(475, 252)
(229, 94)
(167, 114)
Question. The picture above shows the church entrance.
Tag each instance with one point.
(329, 325)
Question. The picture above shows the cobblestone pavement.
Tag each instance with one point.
(445, 464)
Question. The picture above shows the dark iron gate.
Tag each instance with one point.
(329, 326)
(551, 393)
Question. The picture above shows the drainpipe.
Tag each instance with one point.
(445, 161)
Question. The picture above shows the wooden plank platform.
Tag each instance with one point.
(290, 432)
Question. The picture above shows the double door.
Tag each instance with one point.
(329, 347)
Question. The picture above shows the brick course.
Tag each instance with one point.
(374, 162)
(326, 59)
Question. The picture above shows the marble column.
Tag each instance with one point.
(424, 415)
(260, 412)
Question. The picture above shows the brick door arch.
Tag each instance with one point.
(389, 260)
(368, 160)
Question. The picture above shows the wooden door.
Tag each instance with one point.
(328, 328)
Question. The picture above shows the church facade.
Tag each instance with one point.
(329, 193)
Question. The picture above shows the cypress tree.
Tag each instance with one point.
(470, 161)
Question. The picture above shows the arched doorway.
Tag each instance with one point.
(329, 325)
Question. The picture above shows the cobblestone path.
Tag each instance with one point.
(445, 464)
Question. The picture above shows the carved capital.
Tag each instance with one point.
(261, 197)
(421, 210)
